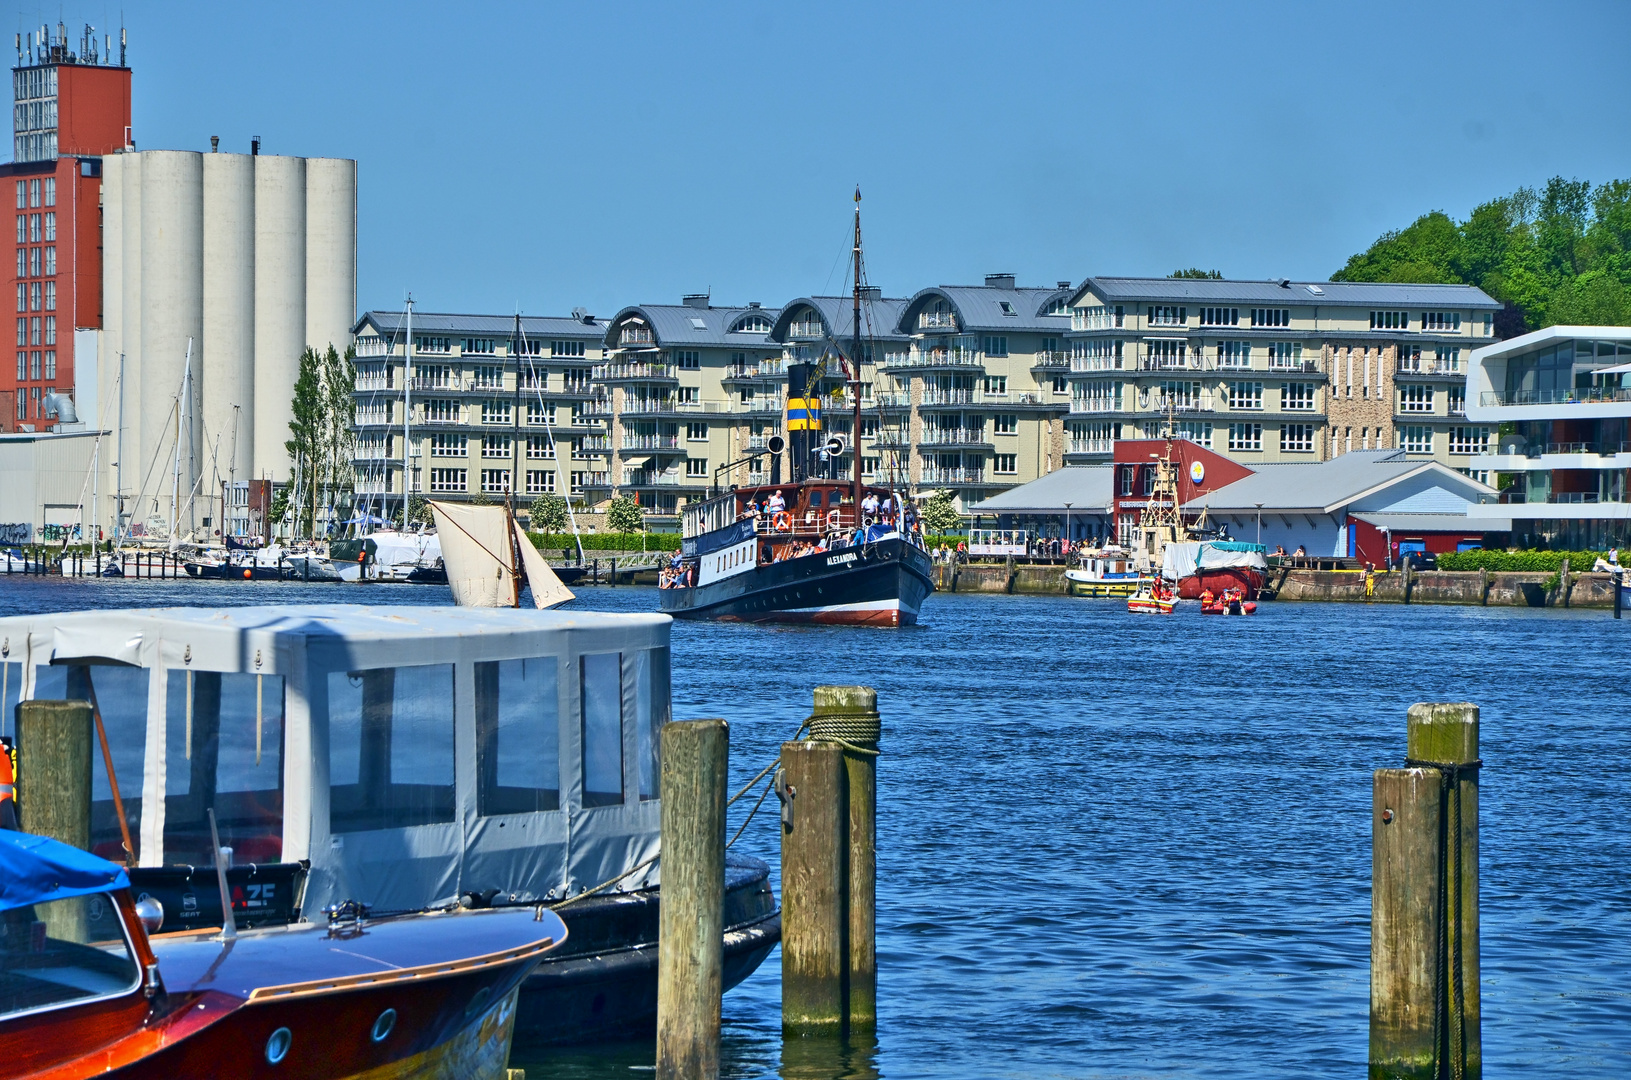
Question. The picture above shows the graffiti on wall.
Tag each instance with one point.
(16, 533)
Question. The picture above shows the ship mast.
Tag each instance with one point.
(855, 361)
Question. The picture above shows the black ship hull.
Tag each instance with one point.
(876, 584)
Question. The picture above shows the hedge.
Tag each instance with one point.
(607, 541)
(1533, 562)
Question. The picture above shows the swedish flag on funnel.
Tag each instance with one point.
(803, 414)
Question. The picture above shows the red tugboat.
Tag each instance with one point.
(85, 991)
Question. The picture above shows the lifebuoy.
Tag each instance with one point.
(834, 521)
(782, 522)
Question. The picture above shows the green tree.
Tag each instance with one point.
(339, 380)
(308, 432)
(1197, 272)
(480, 498)
(419, 511)
(625, 515)
(940, 513)
(548, 514)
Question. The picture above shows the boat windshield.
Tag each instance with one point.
(50, 956)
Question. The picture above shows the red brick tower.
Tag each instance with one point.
(70, 108)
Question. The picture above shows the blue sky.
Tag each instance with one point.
(549, 156)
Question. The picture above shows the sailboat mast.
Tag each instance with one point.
(855, 360)
(119, 465)
(515, 426)
(407, 413)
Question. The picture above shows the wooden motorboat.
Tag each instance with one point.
(1110, 572)
(84, 989)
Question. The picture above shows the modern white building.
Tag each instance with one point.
(1559, 400)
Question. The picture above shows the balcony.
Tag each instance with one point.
(927, 359)
(1080, 364)
(635, 372)
(894, 399)
(1579, 395)
(374, 382)
(640, 478)
(953, 437)
(633, 406)
(372, 419)
(1094, 406)
(1418, 365)
(935, 396)
(761, 406)
(593, 479)
(433, 382)
(1054, 360)
(372, 453)
(933, 475)
(936, 320)
(1091, 446)
(651, 442)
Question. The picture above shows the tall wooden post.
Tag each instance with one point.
(853, 712)
(814, 887)
(54, 789)
(1425, 1014)
(691, 960)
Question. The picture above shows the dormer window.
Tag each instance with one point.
(1007, 308)
(753, 324)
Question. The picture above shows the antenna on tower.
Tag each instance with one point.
(122, 43)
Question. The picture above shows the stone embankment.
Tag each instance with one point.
(1471, 587)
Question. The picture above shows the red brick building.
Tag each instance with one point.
(69, 109)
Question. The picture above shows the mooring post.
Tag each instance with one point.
(1483, 585)
(1614, 583)
(54, 789)
(851, 714)
(691, 959)
(1425, 1015)
(814, 887)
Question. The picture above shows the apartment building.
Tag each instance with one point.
(479, 395)
(1276, 371)
(981, 387)
(1561, 400)
(689, 388)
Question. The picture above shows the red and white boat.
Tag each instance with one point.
(1152, 599)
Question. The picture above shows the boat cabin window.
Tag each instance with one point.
(223, 736)
(390, 735)
(48, 960)
(121, 694)
(601, 679)
(651, 688)
(518, 734)
(815, 497)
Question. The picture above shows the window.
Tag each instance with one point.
(1489, 324)
(518, 763)
(1234, 354)
(687, 359)
(495, 446)
(697, 432)
(1441, 320)
(495, 412)
(1245, 437)
(601, 719)
(22, 297)
(442, 445)
(696, 467)
(1167, 316)
(566, 348)
(538, 447)
(390, 747)
(34, 262)
(996, 385)
(487, 377)
(441, 411)
(651, 710)
(1245, 395)
(540, 482)
(1005, 424)
(1005, 464)
(1457, 396)
(1297, 397)
(996, 346)
(1416, 397)
(50, 295)
(33, 228)
(495, 481)
(34, 297)
(1447, 358)
(50, 364)
(478, 345)
(34, 330)
(34, 364)
(33, 193)
(1271, 317)
(1390, 320)
(50, 260)
(50, 194)
(1416, 439)
(540, 415)
(1180, 395)
(449, 479)
(229, 727)
(753, 324)
(1124, 479)
(1469, 440)
(22, 331)
(1297, 438)
(1096, 318)
(1060, 385)
(51, 226)
(22, 366)
(433, 344)
(22, 262)
(686, 395)
(1220, 316)
(22, 195)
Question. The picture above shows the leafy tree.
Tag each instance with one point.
(308, 431)
(419, 511)
(480, 498)
(548, 514)
(940, 513)
(625, 515)
(1197, 272)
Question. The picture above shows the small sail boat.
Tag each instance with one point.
(487, 556)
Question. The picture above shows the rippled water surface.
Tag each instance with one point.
(1118, 846)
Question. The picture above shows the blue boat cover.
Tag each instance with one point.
(36, 869)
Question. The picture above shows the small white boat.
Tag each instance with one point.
(1110, 572)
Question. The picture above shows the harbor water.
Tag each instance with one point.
(1125, 846)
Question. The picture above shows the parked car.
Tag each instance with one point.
(1419, 560)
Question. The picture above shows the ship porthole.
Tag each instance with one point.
(477, 1002)
(277, 1047)
(384, 1025)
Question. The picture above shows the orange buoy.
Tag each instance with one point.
(248, 574)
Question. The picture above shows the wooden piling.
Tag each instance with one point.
(54, 789)
(1425, 1014)
(691, 960)
(853, 714)
(1483, 585)
(814, 887)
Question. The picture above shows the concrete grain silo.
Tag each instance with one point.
(172, 306)
(109, 342)
(280, 305)
(331, 251)
(229, 315)
(130, 335)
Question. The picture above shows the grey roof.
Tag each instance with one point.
(879, 317)
(1088, 489)
(1416, 523)
(674, 325)
(1337, 293)
(1325, 486)
(979, 307)
(388, 323)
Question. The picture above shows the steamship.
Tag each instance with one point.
(819, 549)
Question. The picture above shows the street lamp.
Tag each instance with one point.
(1067, 529)
(1260, 524)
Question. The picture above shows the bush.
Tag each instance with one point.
(1530, 562)
(605, 541)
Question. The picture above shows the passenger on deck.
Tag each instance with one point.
(1300, 553)
(869, 508)
(775, 504)
(1279, 550)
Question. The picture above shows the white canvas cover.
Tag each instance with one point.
(405, 549)
(547, 589)
(1182, 560)
(477, 553)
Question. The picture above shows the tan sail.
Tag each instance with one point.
(477, 553)
(547, 590)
